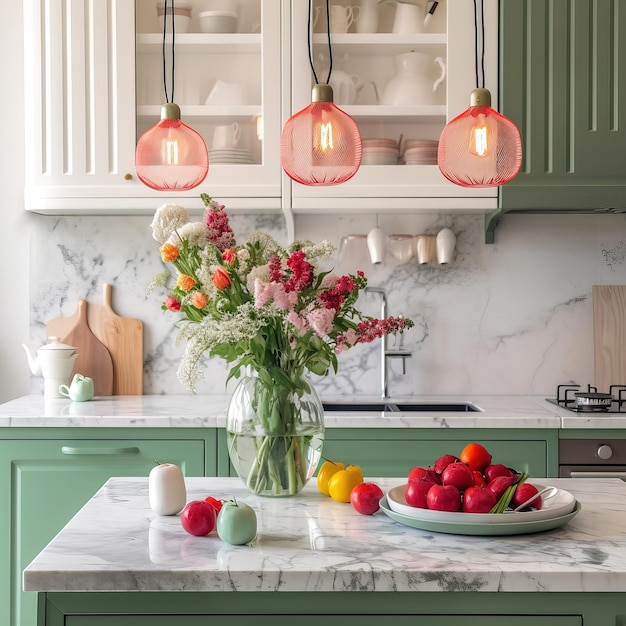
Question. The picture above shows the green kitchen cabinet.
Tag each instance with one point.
(48, 474)
(562, 82)
(424, 608)
(389, 452)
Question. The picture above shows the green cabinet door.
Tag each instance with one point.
(393, 452)
(44, 483)
(562, 82)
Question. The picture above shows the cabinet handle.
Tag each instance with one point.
(582, 474)
(99, 451)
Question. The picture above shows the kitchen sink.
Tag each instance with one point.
(401, 407)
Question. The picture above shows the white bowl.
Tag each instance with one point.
(561, 503)
(378, 159)
(218, 21)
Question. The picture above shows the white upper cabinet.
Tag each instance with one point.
(395, 85)
(94, 83)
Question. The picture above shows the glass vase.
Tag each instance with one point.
(275, 434)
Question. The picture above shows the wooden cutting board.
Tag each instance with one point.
(609, 334)
(123, 336)
(93, 359)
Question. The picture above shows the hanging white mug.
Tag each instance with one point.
(446, 242)
(376, 244)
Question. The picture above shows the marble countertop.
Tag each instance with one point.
(312, 543)
(188, 411)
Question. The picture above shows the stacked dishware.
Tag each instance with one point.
(379, 151)
(420, 152)
(230, 155)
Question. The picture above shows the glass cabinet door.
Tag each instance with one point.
(227, 83)
(401, 80)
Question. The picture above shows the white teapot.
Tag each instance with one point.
(55, 360)
(413, 82)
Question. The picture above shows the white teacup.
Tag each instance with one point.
(341, 17)
(226, 137)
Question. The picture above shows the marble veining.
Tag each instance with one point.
(188, 411)
(513, 318)
(311, 543)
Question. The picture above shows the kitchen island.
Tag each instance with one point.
(116, 562)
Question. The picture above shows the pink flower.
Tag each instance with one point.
(220, 233)
(228, 256)
(321, 321)
(172, 304)
(298, 322)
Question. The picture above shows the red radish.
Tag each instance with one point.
(365, 498)
(443, 498)
(459, 475)
(491, 471)
(417, 472)
(415, 492)
(500, 484)
(522, 493)
(478, 500)
(443, 461)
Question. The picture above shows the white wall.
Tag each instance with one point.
(14, 223)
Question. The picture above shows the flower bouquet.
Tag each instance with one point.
(268, 310)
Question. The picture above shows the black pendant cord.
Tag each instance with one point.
(167, 100)
(479, 83)
(330, 50)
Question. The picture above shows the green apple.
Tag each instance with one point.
(236, 523)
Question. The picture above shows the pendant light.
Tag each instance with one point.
(171, 156)
(480, 147)
(321, 144)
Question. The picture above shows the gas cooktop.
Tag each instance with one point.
(590, 401)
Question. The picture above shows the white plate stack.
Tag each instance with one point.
(420, 152)
(379, 151)
(230, 155)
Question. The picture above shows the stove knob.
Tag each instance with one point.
(604, 452)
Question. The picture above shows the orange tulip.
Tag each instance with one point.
(169, 252)
(199, 299)
(220, 278)
(185, 282)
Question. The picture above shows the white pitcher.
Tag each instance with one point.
(367, 19)
(413, 82)
(409, 17)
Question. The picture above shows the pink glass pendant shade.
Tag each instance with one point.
(321, 144)
(480, 147)
(171, 156)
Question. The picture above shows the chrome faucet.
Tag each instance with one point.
(385, 353)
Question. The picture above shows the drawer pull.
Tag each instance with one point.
(99, 451)
(600, 474)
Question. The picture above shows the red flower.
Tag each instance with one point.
(220, 278)
(228, 256)
(301, 272)
(172, 303)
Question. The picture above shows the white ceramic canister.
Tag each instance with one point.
(166, 489)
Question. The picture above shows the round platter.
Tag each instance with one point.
(460, 528)
(561, 503)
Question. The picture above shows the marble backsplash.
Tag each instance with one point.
(512, 318)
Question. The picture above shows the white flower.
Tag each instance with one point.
(194, 232)
(168, 218)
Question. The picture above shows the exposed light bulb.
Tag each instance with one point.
(171, 156)
(480, 147)
(321, 144)
(480, 137)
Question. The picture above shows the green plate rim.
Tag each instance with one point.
(456, 528)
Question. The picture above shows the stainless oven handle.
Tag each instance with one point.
(577, 474)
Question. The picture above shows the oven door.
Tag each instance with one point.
(592, 471)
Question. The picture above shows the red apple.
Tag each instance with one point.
(443, 498)
(497, 469)
(365, 498)
(478, 499)
(417, 472)
(443, 461)
(522, 493)
(415, 492)
(500, 484)
(198, 518)
(459, 475)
